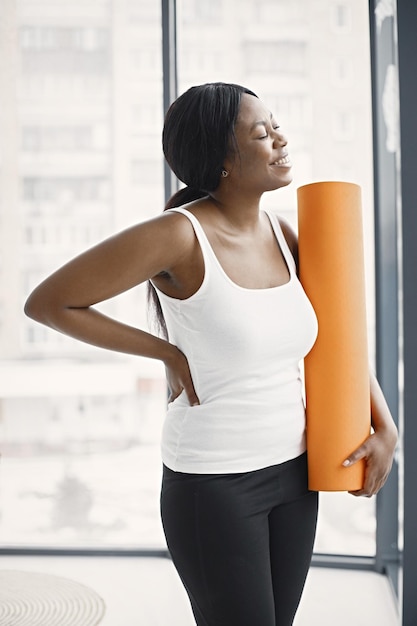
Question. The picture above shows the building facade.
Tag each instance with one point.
(81, 118)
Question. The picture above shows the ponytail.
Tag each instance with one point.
(184, 196)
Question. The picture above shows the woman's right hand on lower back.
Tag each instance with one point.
(179, 377)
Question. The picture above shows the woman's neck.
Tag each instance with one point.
(239, 210)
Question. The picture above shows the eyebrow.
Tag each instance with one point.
(261, 122)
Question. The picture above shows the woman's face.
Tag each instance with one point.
(262, 162)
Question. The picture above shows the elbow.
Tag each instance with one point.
(32, 308)
(36, 308)
(47, 304)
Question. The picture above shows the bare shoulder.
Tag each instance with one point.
(169, 222)
(159, 242)
(170, 225)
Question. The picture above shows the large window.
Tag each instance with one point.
(80, 427)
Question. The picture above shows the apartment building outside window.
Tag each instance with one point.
(89, 103)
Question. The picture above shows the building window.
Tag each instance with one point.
(207, 11)
(200, 59)
(342, 72)
(50, 138)
(57, 50)
(62, 234)
(66, 87)
(342, 17)
(65, 189)
(146, 119)
(278, 10)
(146, 60)
(290, 109)
(272, 57)
(147, 172)
(343, 125)
(63, 38)
(141, 11)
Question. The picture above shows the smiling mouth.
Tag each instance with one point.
(282, 161)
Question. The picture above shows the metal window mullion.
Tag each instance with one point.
(383, 57)
(169, 76)
(407, 53)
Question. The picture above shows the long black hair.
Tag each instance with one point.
(198, 135)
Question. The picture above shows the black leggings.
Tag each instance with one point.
(241, 543)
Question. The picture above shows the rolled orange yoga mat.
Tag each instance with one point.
(332, 273)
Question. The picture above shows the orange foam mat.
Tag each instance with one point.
(331, 261)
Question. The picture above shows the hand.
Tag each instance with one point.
(378, 451)
(179, 377)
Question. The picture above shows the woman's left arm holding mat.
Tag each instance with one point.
(379, 447)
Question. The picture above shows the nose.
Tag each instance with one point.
(280, 138)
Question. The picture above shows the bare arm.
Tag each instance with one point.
(379, 448)
(65, 300)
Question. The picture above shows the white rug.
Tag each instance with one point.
(35, 599)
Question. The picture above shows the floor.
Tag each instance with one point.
(147, 592)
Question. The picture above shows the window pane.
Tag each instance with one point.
(81, 122)
(300, 57)
(79, 427)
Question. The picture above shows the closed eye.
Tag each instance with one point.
(265, 136)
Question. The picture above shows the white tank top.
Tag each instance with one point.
(244, 348)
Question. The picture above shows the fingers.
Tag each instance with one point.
(357, 455)
(370, 488)
(179, 380)
(377, 466)
(191, 394)
(173, 395)
(189, 391)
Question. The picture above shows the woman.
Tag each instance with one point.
(238, 517)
